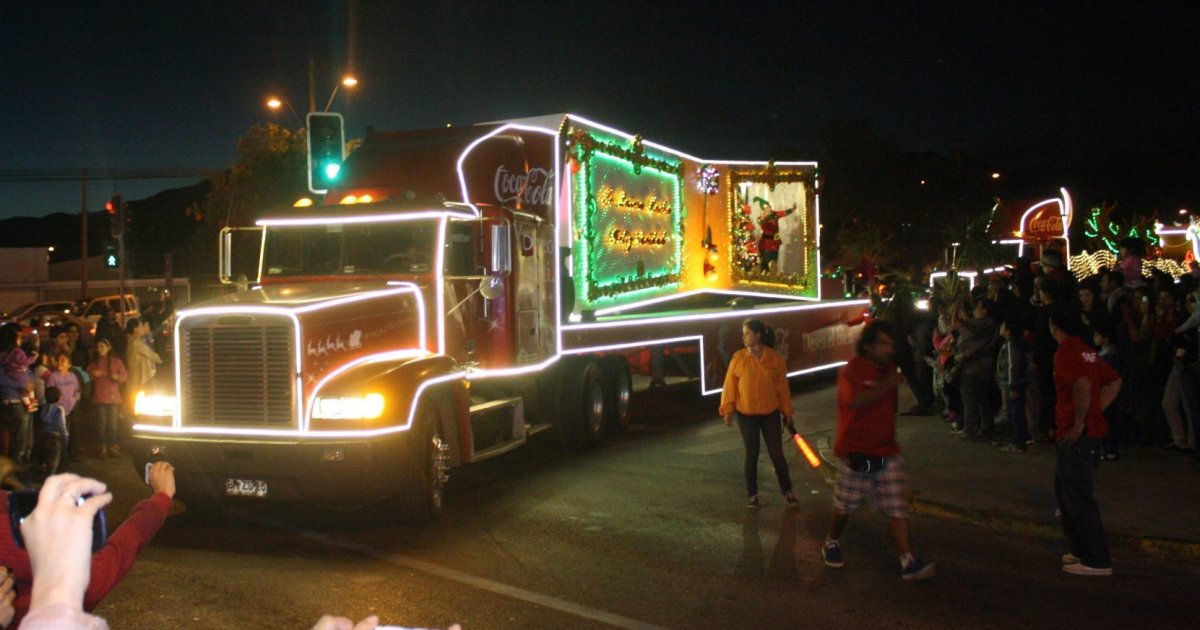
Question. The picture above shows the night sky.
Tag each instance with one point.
(127, 85)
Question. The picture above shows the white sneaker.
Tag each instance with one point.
(1070, 558)
(1080, 568)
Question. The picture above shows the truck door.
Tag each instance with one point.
(529, 268)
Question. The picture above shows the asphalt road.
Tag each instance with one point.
(650, 530)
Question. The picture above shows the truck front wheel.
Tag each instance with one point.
(425, 471)
(580, 416)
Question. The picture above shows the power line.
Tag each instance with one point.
(98, 174)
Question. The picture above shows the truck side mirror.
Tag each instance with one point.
(245, 263)
(501, 262)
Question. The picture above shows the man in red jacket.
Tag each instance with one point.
(869, 461)
(113, 561)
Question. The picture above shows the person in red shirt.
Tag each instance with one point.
(869, 461)
(1084, 386)
(109, 565)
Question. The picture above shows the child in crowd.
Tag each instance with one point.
(108, 374)
(1012, 374)
(51, 433)
(71, 390)
(16, 365)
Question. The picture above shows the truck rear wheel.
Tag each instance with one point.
(580, 417)
(618, 392)
(425, 470)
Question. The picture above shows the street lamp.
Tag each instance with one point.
(348, 81)
(275, 103)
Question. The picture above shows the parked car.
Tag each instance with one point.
(91, 309)
(26, 312)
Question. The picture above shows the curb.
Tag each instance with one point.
(1183, 550)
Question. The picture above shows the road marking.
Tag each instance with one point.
(485, 584)
(724, 446)
(715, 429)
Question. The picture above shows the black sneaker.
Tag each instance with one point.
(753, 504)
(791, 499)
(918, 570)
(831, 553)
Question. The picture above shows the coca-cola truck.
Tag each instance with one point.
(466, 288)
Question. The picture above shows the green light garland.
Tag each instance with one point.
(594, 257)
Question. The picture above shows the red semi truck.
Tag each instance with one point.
(463, 289)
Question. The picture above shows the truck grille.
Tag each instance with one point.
(238, 371)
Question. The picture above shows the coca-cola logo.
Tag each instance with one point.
(533, 187)
(1046, 224)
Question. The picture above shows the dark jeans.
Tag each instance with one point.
(771, 428)
(1014, 411)
(978, 413)
(107, 417)
(20, 440)
(1074, 470)
(50, 449)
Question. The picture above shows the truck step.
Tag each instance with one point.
(498, 427)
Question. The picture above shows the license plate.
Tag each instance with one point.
(245, 488)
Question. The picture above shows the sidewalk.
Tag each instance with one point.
(1149, 498)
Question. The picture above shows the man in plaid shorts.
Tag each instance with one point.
(869, 461)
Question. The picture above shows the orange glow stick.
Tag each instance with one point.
(802, 444)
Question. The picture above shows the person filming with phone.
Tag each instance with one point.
(111, 558)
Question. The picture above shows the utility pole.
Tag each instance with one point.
(312, 85)
(83, 242)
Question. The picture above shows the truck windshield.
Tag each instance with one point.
(398, 247)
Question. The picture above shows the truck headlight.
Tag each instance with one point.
(364, 407)
(149, 404)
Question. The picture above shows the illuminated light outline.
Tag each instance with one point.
(970, 275)
(462, 181)
(667, 298)
(308, 432)
(391, 355)
(649, 143)
(368, 218)
(674, 267)
(817, 202)
(439, 285)
(291, 313)
(718, 315)
(1065, 210)
(443, 216)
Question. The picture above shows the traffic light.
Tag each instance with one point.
(326, 150)
(111, 260)
(115, 208)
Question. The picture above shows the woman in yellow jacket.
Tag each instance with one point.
(756, 391)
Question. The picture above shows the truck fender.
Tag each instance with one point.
(408, 383)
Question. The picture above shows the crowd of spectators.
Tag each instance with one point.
(984, 360)
(61, 391)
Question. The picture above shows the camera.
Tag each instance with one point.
(22, 502)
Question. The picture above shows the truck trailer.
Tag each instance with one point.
(463, 289)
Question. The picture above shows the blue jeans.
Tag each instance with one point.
(771, 428)
(1074, 471)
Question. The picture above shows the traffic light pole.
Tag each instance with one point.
(83, 242)
(121, 265)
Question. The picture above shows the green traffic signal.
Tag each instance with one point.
(111, 261)
(326, 150)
